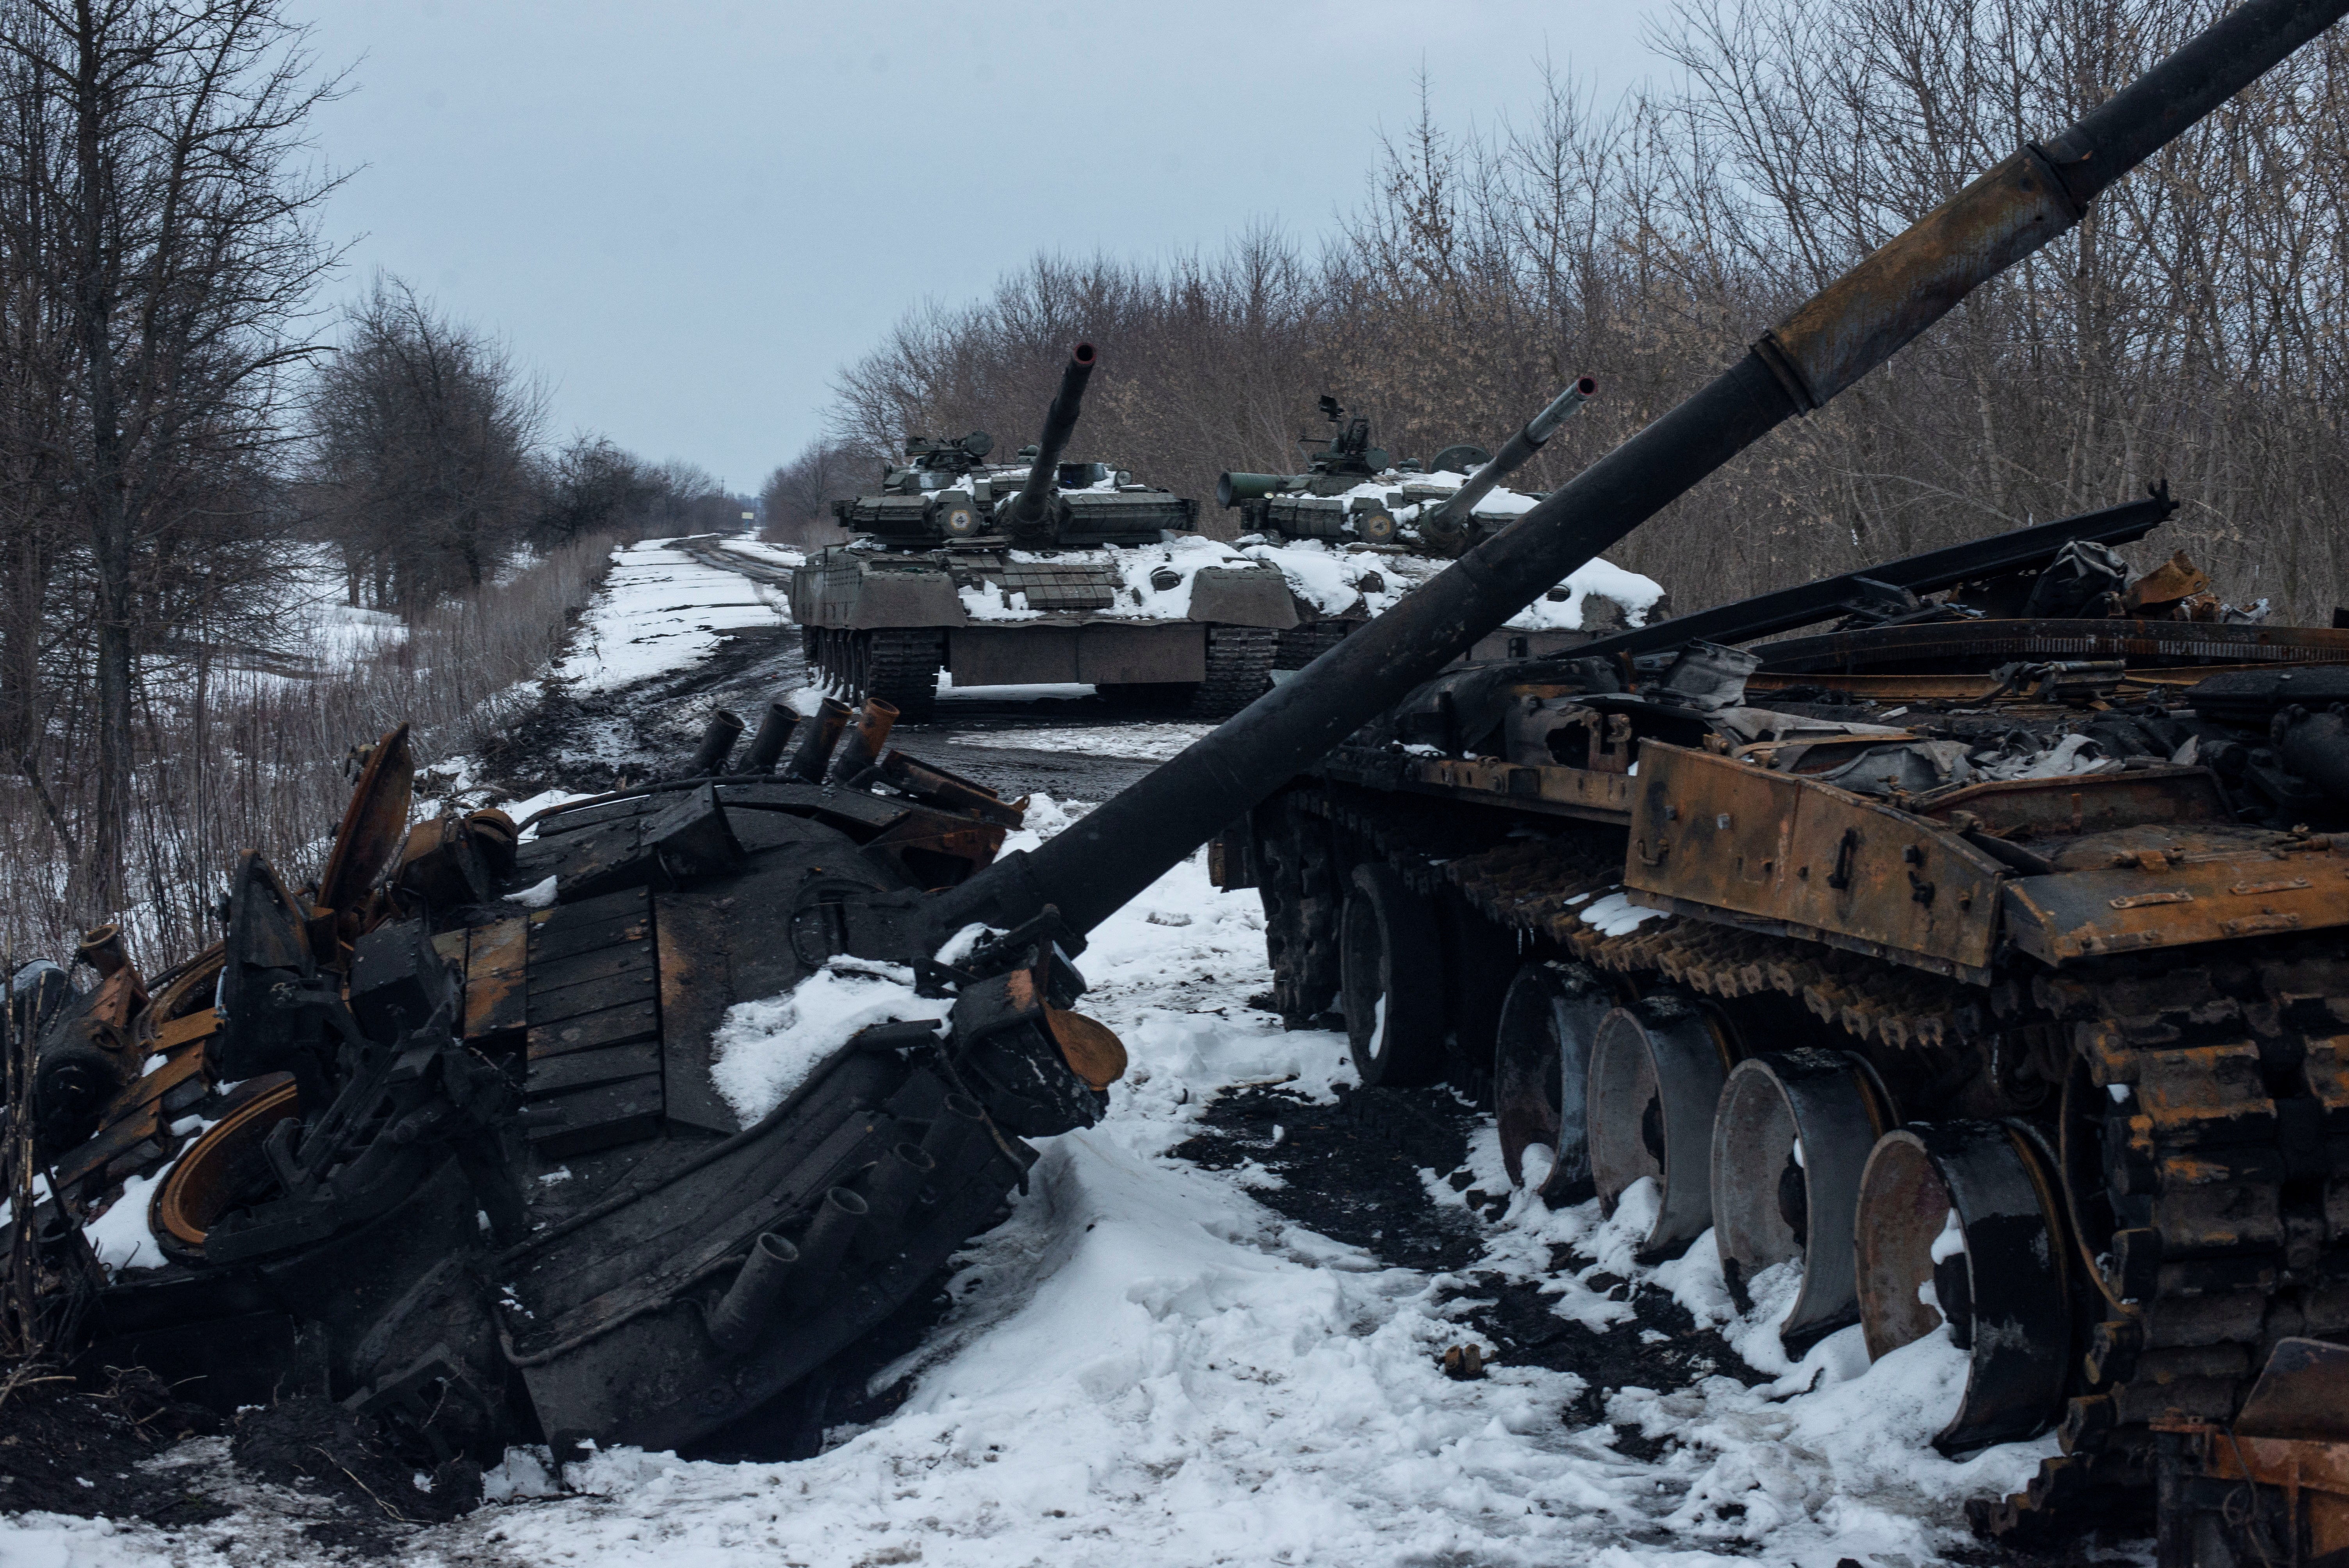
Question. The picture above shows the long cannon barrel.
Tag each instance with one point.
(1027, 508)
(1783, 611)
(1096, 864)
(1519, 450)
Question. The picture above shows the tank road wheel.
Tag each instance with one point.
(1959, 1225)
(1239, 670)
(900, 666)
(1790, 1139)
(1656, 1071)
(1541, 1071)
(1391, 977)
(2201, 1174)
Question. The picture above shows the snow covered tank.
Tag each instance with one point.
(1045, 571)
(1359, 529)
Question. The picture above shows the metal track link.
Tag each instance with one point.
(2224, 1151)
(1239, 669)
(901, 668)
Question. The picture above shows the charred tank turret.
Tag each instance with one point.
(1049, 570)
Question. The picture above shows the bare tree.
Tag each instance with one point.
(421, 461)
(161, 248)
(2192, 327)
(798, 496)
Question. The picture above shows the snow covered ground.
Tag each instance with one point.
(662, 609)
(1146, 1361)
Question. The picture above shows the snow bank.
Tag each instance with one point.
(660, 610)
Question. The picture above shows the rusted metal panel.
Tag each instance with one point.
(2153, 901)
(937, 851)
(1924, 686)
(2086, 804)
(179, 1032)
(1969, 643)
(494, 956)
(374, 823)
(1725, 834)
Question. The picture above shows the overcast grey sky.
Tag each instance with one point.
(686, 216)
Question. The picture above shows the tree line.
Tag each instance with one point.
(2192, 329)
(190, 435)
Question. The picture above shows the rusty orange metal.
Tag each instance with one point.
(494, 960)
(1090, 1047)
(935, 855)
(2206, 893)
(373, 824)
(1596, 794)
(2028, 807)
(1711, 833)
(201, 1185)
(1865, 316)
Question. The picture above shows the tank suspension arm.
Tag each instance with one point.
(1519, 452)
(1102, 859)
(1026, 508)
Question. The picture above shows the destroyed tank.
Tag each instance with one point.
(1047, 571)
(1993, 944)
(467, 1172)
(1358, 530)
(457, 1161)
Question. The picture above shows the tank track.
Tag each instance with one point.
(1300, 646)
(1239, 669)
(901, 668)
(2219, 1180)
(898, 665)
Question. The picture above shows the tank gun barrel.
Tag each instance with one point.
(1511, 457)
(1856, 322)
(2016, 549)
(1027, 507)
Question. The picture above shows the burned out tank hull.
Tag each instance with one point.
(2023, 928)
(466, 1167)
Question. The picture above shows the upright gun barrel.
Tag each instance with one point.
(1521, 447)
(1026, 508)
(1102, 859)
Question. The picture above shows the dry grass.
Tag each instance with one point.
(236, 758)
